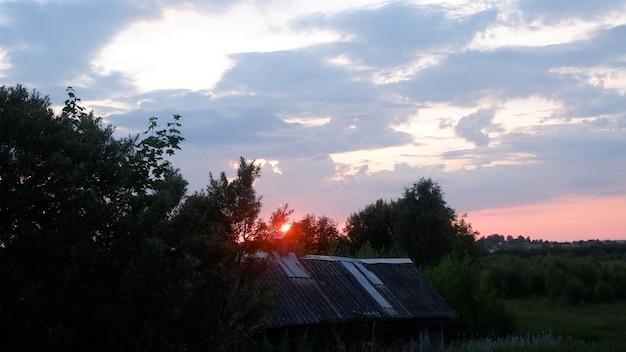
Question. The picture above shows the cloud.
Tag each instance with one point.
(473, 126)
(210, 37)
(563, 10)
(49, 44)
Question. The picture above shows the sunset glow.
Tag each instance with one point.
(563, 220)
(285, 227)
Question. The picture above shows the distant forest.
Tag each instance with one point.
(574, 272)
(527, 247)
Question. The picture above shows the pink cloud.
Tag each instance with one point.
(565, 219)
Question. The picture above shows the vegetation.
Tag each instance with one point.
(102, 249)
(560, 278)
(589, 322)
(481, 311)
(419, 224)
(316, 235)
(527, 248)
(546, 326)
(564, 296)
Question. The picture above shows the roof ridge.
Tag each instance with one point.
(358, 260)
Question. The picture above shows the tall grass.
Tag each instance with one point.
(538, 343)
(588, 322)
(544, 326)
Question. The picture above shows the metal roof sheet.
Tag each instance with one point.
(336, 289)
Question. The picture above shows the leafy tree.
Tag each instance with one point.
(219, 230)
(78, 208)
(424, 222)
(481, 312)
(464, 240)
(239, 207)
(374, 225)
(419, 224)
(314, 235)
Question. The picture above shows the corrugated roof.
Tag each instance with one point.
(338, 289)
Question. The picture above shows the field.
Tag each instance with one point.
(548, 326)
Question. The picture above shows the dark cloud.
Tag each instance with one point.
(473, 126)
(551, 162)
(289, 74)
(53, 41)
(299, 84)
(468, 76)
(398, 33)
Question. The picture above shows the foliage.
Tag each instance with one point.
(559, 278)
(212, 282)
(419, 224)
(527, 248)
(315, 235)
(70, 202)
(481, 312)
(100, 251)
(373, 225)
(424, 222)
(368, 251)
(239, 206)
(150, 150)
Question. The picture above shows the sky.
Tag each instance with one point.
(517, 109)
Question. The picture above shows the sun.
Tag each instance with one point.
(285, 227)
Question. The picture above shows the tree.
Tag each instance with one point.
(374, 225)
(76, 206)
(314, 235)
(424, 222)
(100, 249)
(218, 230)
(419, 224)
(239, 207)
(461, 284)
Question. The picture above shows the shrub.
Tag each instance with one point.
(481, 311)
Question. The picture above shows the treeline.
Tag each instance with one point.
(526, 248)
(419, 225)
(565, 278)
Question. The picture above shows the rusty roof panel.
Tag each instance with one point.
(337, 289)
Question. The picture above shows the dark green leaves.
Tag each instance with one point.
(418, 224)
(72, 107)
(151, 150)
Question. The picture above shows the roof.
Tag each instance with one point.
(323, 289)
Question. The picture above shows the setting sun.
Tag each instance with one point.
(285, 227)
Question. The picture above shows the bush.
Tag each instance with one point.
(462, 286)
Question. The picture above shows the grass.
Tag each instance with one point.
(545, 326)
(589, 322)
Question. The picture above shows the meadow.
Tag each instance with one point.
(543, 325)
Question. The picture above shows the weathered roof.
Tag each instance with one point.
(323, 289)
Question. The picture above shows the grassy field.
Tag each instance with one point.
(589, 322)
(548, 326)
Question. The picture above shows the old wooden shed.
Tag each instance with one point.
(388, 295)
